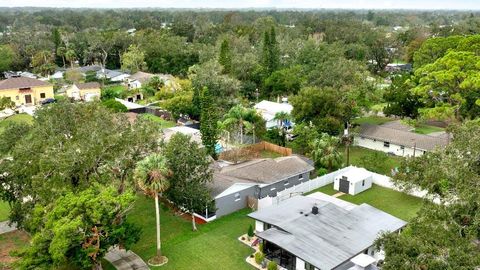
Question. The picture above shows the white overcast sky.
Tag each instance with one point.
(345, 4)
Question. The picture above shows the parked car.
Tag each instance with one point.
(48, 101)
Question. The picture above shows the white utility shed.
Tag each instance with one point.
(353, 181)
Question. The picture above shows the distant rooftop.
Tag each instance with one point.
(21, 82)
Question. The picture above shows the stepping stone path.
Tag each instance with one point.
(338, 194)
(5, 228)
(125, 260)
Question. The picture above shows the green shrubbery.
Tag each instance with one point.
(115, 105)
(272, 265)
(259, 257)
(250, 232)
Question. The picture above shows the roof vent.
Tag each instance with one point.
(315, 210)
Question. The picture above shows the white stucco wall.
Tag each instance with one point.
(258, 226)
(393, 148)
(356, 188)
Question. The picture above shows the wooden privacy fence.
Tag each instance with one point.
(251, 151)
(263, 145)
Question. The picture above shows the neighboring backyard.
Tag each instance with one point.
(213, 246)
(396, 203)
(18, 118)
(163, 123)
(371, 160)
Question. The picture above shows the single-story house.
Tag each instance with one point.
(269, 109)
(234, 184)
(397, 141)
(25, 91)
(84, 91)
(353, 181)
(140, 78)
(112, 75)
(307, 233)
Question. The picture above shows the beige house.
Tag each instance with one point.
(84, 91)
(25, 91)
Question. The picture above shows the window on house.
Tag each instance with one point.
(300, 177)
(386, 144)
(237, 196)
(17, 98)
(363, 183)
(402, 147)
(42, 95)
(272, 189)
(309, 266)
(286, 183)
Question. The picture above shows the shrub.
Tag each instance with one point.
(260, 247)
(259, 257)
(250, 232)
(272, 265)
(322, 171)
(115, 105)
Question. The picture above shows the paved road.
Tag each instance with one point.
(125, 260)
(5, 228)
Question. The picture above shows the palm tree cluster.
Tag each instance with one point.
(241, 120)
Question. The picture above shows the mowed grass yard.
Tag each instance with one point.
(213, 246)
(395, 203)
(371, 160)
(163, 123)
(18, 118)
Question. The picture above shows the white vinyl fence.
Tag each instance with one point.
(378, 179)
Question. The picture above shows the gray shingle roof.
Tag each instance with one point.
(268, 170)
(401, 137)
(259, 171)
(21, 82)
(89, 85)
(141, 76)
(328, 239)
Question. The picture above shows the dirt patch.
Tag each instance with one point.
(9, 242)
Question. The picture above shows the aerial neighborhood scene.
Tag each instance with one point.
(240, 135)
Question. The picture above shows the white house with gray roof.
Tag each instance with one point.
(308, 233)
(397, 141)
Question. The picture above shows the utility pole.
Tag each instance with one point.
(347, 140)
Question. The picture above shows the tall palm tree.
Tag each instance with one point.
(282, 117)
(325, 151)
(151, 175)
(236, 118)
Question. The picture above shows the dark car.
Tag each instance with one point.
(48, 101)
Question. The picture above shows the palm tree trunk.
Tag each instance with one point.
(157, 212)
(194, 225)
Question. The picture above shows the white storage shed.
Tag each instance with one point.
(353, 181)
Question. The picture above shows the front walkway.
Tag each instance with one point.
(5, 228)
(125, 260)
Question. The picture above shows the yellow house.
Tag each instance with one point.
(84, 91)
(25, 91)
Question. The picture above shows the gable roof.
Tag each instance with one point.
(328, 239)
(21, 82)
(268, 170)
(269, 108)
(141, 76)
(401, 137)
(257, 172)
(89, 85)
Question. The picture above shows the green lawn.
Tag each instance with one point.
(4, 211)
(163, 123)
(213, 246)
(426, 129)
(396, 203)
(371, 160)
(328, 189)
(18, 118)
(373, 120)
